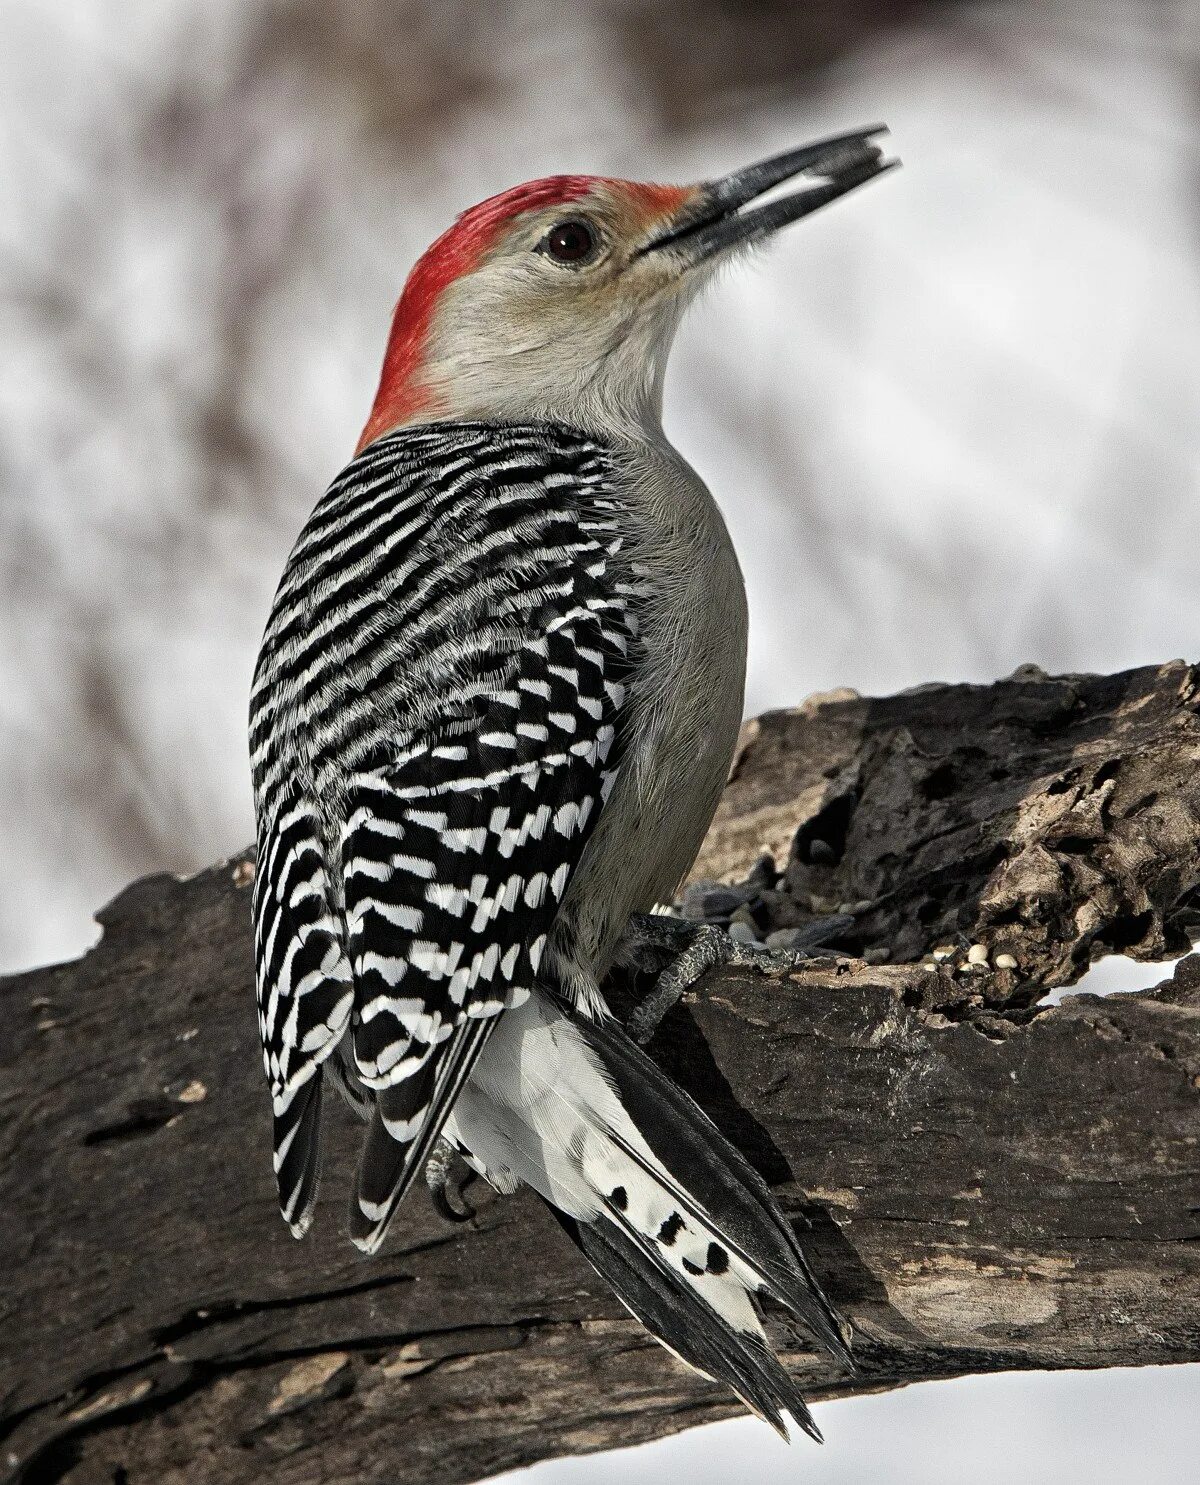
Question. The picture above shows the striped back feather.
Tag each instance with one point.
(435, 724)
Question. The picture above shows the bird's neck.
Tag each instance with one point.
(613, 392)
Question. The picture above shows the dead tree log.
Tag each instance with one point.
(989, 1183)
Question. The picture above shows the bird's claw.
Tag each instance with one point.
(447, 1184)
(696, 948)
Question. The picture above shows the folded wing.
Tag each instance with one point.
(436, 725)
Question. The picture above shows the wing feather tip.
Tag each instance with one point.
(369, 1221)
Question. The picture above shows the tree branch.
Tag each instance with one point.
(990, 1183)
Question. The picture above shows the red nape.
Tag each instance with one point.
(456, 252)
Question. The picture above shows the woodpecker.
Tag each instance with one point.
(495, 706)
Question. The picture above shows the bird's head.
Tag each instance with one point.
(560, 298)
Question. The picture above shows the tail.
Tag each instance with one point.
(666, 1210)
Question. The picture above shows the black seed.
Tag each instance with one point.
(670, 1229)
(619, 1198)
(692, 1268)
(718, 1259)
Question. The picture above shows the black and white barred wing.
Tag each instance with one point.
(455, 865)
(305, 989)
(467, 722)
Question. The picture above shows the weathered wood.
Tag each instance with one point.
(989, 1183)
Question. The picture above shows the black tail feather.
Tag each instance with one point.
(676, 1315)
(711, 1170)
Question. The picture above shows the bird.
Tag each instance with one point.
(494, 709)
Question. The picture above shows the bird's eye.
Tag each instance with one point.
(570, 242)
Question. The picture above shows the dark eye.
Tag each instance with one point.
(570, 242)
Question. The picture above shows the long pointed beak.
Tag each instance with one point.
(716, 220)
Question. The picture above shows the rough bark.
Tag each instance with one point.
(988, 1182)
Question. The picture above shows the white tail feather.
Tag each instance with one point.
(539, 1109)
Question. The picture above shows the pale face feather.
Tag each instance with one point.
(523, 335)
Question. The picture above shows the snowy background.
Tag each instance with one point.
(954, 422)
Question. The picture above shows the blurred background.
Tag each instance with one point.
(954, 422)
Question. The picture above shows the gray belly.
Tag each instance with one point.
(682, 723)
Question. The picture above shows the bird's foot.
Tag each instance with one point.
(695, 948)
(447, 1175)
